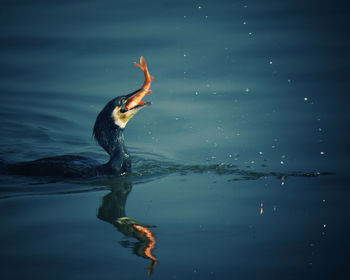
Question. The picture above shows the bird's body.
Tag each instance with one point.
(67, 166)
(108, 132)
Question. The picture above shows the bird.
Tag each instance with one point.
(108, 131)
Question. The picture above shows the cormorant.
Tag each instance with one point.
(108, 132)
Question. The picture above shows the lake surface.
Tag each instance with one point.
(240, 166)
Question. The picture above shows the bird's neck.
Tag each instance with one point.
(119, 161)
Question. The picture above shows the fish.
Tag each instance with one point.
(136, 100)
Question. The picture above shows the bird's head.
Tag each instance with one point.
(125, 107)
(113, 118)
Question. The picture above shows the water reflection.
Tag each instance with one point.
(112, 210)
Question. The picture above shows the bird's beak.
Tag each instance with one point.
(134, 100)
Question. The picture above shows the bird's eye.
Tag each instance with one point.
(119, 103)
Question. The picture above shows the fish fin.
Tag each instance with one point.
(138, 65)
(143, 62)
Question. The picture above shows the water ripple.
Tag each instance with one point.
(146, 168)
(152, 168)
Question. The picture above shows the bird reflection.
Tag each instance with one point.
(112, 210)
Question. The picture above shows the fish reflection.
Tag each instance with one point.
(112, 210)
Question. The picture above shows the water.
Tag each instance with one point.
(240, 165)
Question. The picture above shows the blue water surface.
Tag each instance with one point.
(240, 166)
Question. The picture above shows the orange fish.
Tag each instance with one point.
(137, 98)
(150, 247)
(152, 241)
